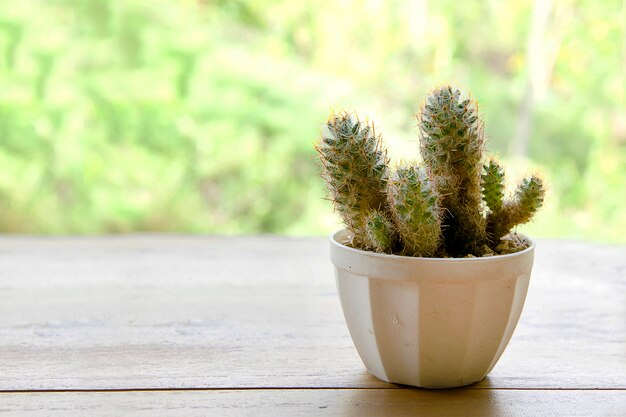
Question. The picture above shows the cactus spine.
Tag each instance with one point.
(452, 144)
(415, 209)
(432, 211)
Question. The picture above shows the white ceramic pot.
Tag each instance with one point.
(430, 322)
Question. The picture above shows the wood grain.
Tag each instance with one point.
(176, 312)
(329, 402)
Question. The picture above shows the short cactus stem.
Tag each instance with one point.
(530, 194)
(493, 185)
(379, 232)
(415, 210)
(527, 200)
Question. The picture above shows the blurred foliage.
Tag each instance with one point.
(199, 115)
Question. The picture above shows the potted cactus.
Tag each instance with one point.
(431, 277)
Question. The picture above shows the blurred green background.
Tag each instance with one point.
(200, 115)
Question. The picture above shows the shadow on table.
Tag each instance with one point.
(480, 400)
(406, 401)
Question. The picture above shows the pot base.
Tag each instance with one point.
(460, 385)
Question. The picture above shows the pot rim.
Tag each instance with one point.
(335, 242)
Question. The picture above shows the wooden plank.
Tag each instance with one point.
(163, 261)
(349, 402)
(193, 337)
(179, 312)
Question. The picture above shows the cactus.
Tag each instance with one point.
(452, 143)
(435, 210)
(415, 209)
(354, 165)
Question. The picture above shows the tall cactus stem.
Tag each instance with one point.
(452, 145)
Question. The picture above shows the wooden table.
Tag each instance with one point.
(196, 326)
